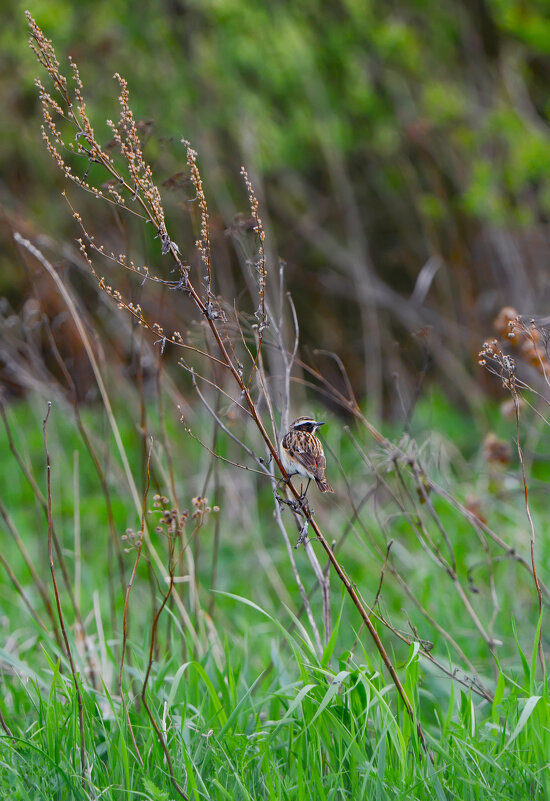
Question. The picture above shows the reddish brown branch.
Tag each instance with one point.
(58, 603)
(143, 191)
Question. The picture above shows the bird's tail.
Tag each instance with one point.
(323, 485)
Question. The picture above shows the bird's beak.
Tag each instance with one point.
(318, 425)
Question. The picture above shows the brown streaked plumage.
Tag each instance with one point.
(302, 453)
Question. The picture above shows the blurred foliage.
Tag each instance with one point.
(378, 134)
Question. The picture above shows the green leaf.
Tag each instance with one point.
(176, 683)
(534, 655)
(297, 701)
(334, 687)
(527, 711)
(499, 695)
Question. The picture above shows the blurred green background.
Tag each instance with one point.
(400, 152)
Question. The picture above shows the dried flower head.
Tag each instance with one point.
(499, 363)
(527, 339)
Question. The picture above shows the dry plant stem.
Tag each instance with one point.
(266, 395)
(492, 588)
(420, 478)
(532, 528)
(127, 605)
(5, 725)
(110, 416)
(301, 588)
(366, 619)
(56, 544)
(160, 735)
(142, 428)
(288, 358)
(19, 589)
(147, 196)
(473, 682)
(332, 558)
(324, 583)
(38, 494)
(323, 580)
(451, 569)
(484, 528)
(382, 574)
(93, 455)
(226, 359)
(260, 314)
(212, 471)
(324, 543)
(89, 351)
(58, 604)
(165, 439)
(215, 546)
(219, 422)
(417, 525)
(288, 362)
(36, 578)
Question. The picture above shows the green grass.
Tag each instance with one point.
(248, 707)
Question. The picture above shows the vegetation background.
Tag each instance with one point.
(400, 153)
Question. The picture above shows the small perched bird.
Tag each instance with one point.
(302, 453)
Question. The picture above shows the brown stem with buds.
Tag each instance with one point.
(146, 194)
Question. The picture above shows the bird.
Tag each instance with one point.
(302, 453)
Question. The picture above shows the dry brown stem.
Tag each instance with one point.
(135, 184)
(83, 764)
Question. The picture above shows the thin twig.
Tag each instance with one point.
(83, 763)
(532, 529)
(154, 724)
(141, 188)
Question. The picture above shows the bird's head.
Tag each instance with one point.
(305, 423)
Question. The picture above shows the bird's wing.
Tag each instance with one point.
(307, 450)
